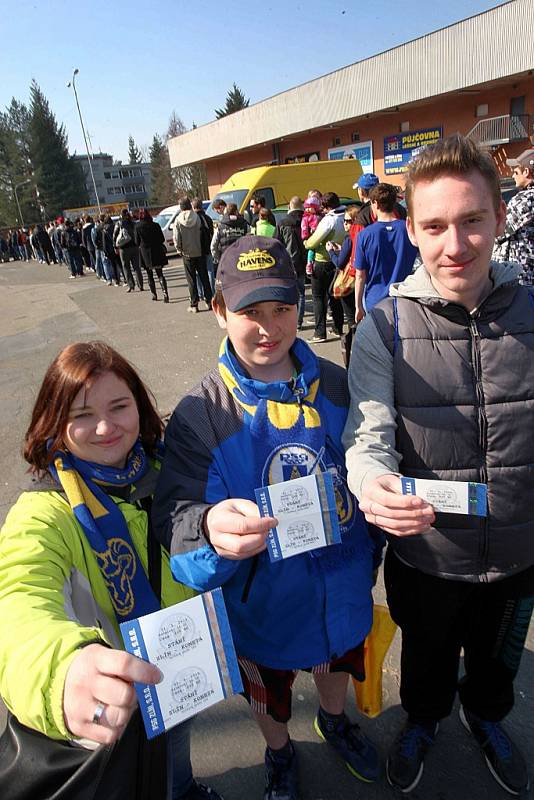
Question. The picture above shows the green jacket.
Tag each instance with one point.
(53, 600)
(264, 228)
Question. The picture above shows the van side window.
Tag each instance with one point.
(269, 196)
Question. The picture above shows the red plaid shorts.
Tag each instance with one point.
(269, 691)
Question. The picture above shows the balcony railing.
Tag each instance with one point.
(501, 130)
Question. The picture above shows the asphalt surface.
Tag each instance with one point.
(41, 310)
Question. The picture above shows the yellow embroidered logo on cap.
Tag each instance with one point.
(255, 259)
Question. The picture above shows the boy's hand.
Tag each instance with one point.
(236, 530)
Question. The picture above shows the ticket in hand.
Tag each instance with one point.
(450, 497)
(192, 645)
(306, 512)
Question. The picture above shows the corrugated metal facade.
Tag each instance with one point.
(479, 49)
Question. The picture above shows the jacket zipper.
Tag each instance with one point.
(482, 428)
(297, 393)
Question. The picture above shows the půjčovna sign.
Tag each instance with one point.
(400, 148)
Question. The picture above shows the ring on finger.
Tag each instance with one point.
(97, 714)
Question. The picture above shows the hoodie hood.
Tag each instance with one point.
(419, 283)
(188, 218)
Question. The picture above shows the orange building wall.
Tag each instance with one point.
(453, 113)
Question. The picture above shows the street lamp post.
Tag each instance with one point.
(73, 84)
(22, 183)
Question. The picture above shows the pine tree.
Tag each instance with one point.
(162, 191)
(235, 101)
(134, 154)
(58, 178)
(14, 166)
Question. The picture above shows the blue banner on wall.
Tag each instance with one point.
(400, 148)
(363, 151)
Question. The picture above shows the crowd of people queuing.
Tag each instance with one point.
(119, 252)
(440, 386)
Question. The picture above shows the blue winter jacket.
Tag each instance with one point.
(226, 438)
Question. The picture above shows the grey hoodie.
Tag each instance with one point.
(187, 234)
(369, 435)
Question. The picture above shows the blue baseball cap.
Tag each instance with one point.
(366, 181)
(256, 269)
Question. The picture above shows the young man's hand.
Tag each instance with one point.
(236, 530)
(385, 506)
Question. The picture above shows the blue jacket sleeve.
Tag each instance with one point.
(180, 504)
(340, 258)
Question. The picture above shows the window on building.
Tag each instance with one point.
(115, 174)
(404, 126)
(136, 173)
(107, 175)
(336, 141)
(355, 136)
(482, 110)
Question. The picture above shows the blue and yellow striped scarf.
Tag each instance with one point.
(105, 527)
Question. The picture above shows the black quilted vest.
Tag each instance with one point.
(464, 395)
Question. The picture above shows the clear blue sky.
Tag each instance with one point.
(139, 61)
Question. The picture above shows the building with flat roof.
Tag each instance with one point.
(475, 77)
(116, 182)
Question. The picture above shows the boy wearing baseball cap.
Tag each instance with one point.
(271, 411)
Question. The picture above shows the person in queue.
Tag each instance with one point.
(340, 257)
(69, 573)
(152, 252)
(329, 229)
(442, 388)
(269, 412)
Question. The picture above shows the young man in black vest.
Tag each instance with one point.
(442, 388)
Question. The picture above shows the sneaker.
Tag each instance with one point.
(281, 779)
(503, 758)
(193, 309)
(71, 277)
(317, 340)
(208, 305)
(199, 791)
(405, 763)
(356, 750)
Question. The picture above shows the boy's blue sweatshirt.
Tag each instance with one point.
(226, 438)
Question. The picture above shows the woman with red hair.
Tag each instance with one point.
(78, 558)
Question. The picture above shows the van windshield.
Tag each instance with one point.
(237, 197)
(162, 219)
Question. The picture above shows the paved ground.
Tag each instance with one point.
(40, 311)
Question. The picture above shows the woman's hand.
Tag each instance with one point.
(236, 530)
(385, 506)
(99, 676)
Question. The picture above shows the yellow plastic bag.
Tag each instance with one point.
(369, 692)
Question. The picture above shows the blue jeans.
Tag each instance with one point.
(99, 264)
(179, 770)
(211, 275)
(75, 261)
